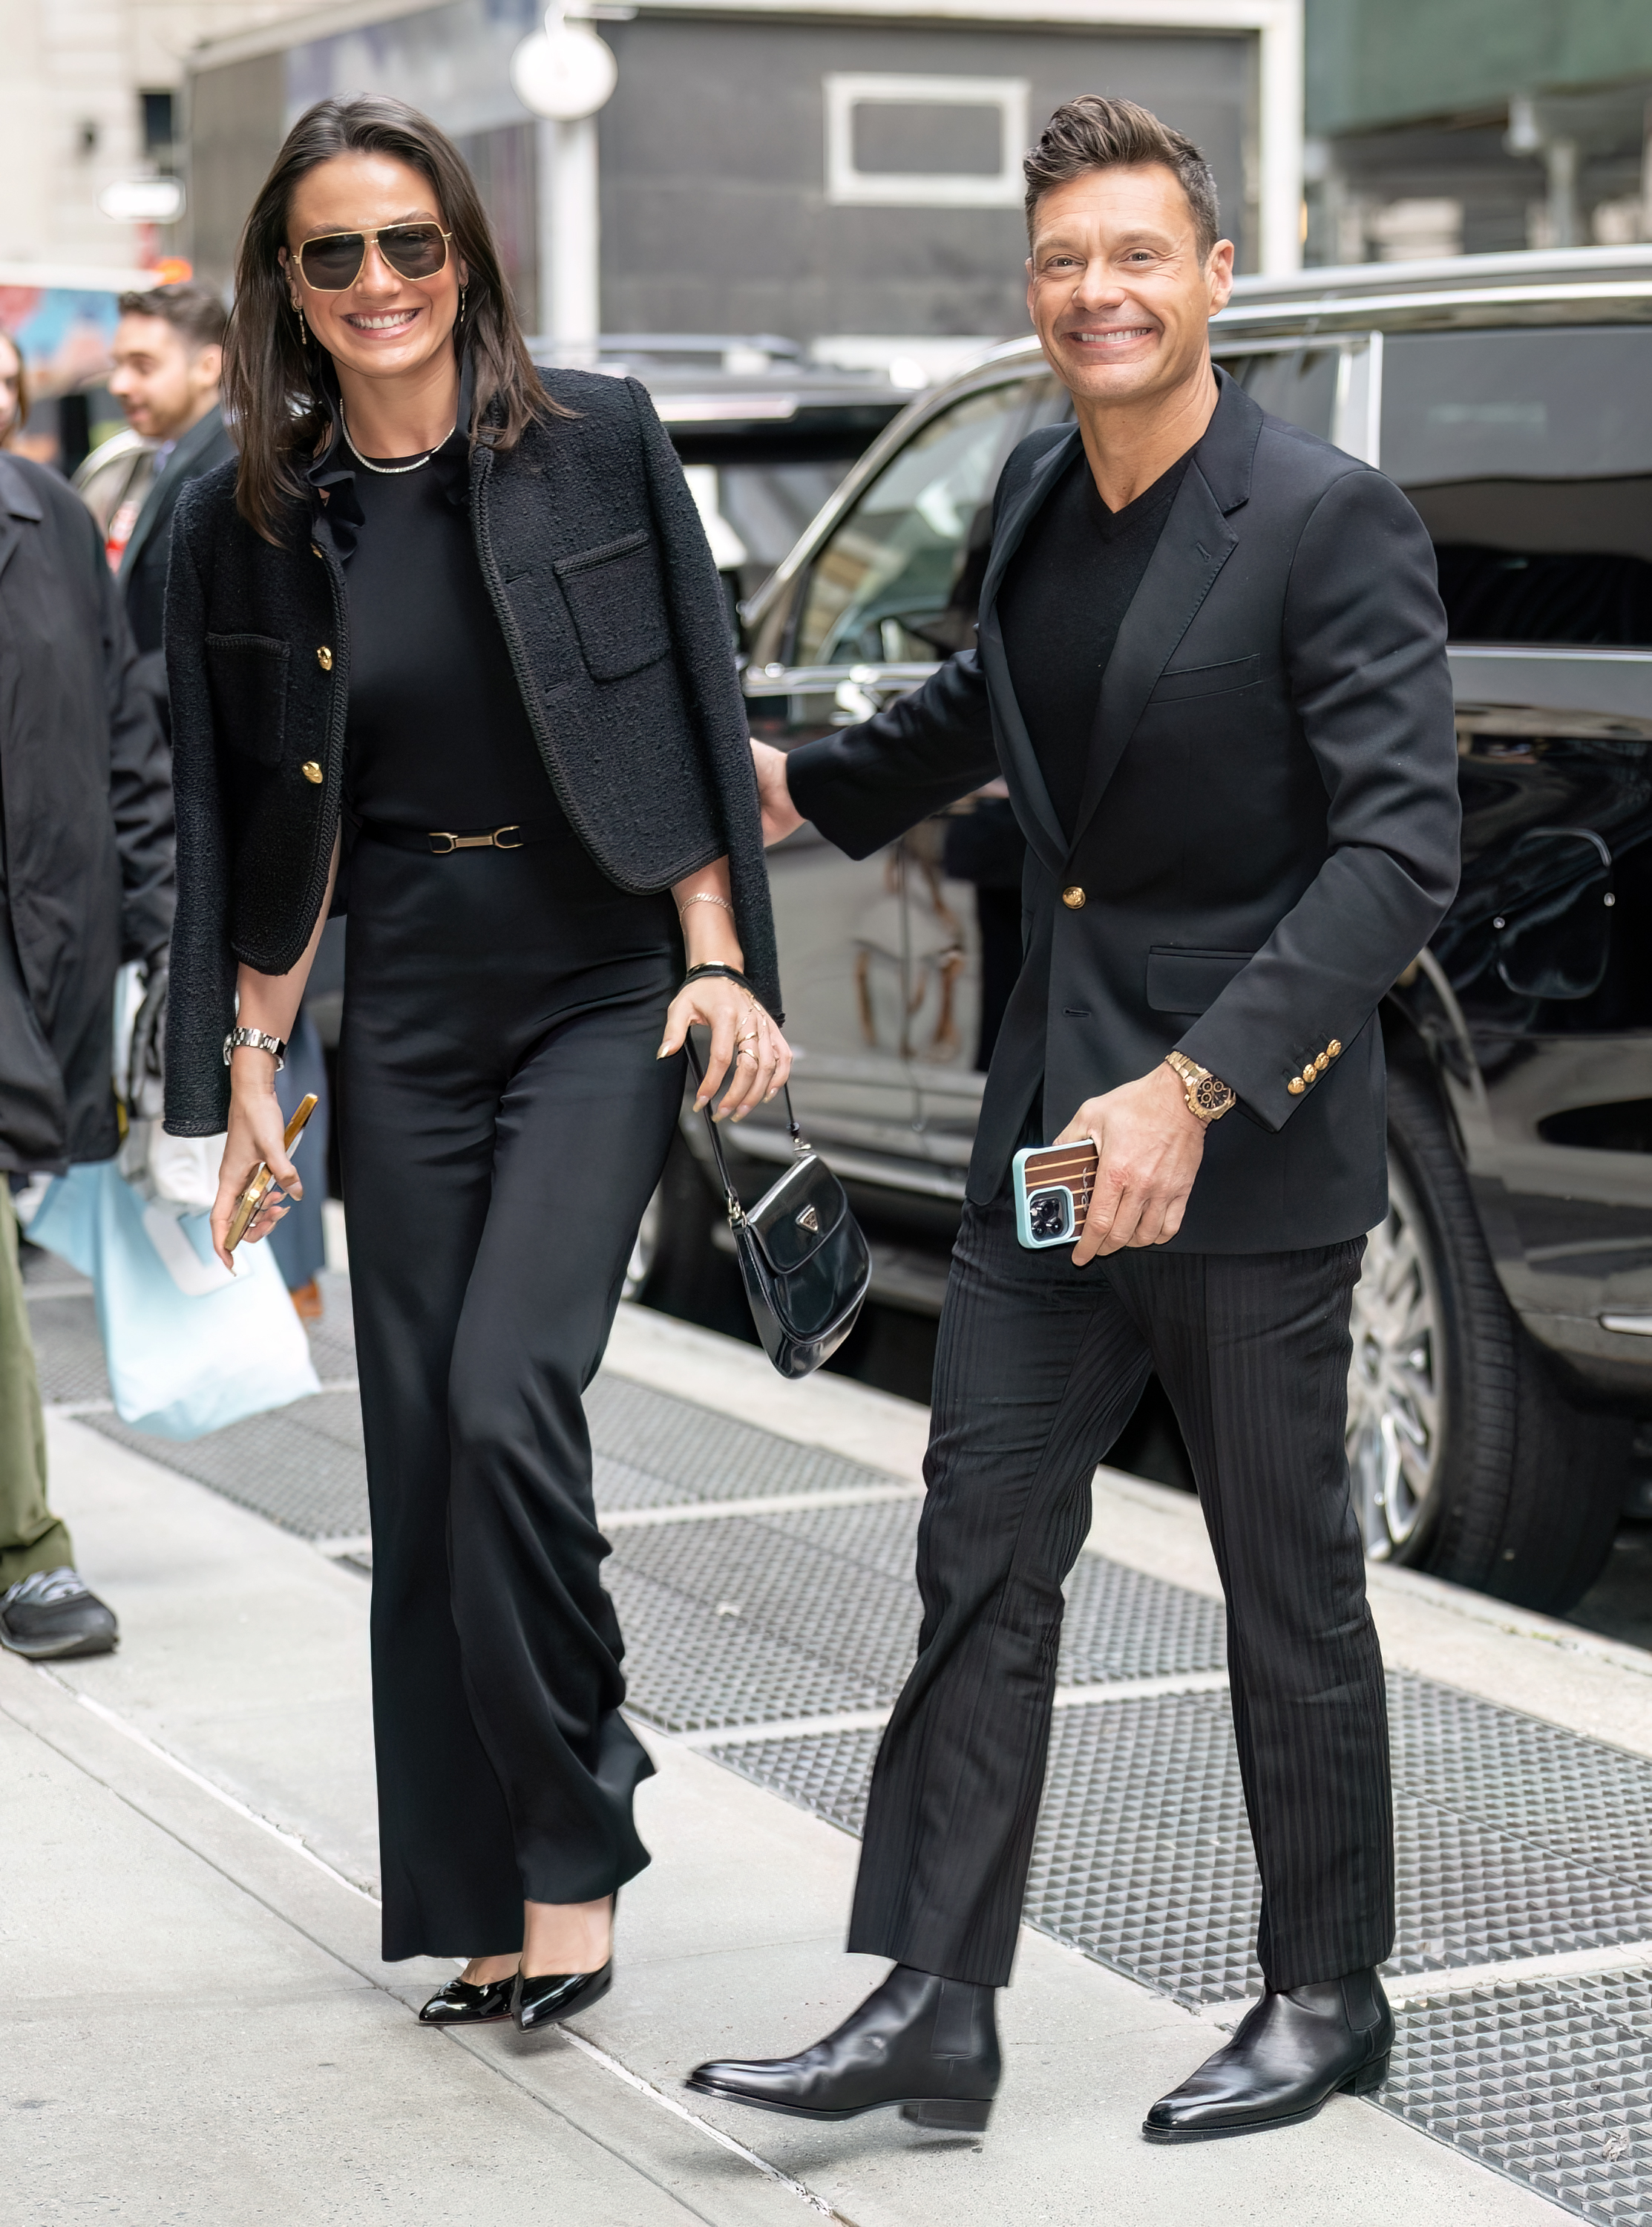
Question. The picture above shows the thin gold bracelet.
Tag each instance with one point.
(704, 897)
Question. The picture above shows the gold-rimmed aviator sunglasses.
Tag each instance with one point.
(331, 263)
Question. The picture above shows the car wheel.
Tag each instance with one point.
(1466, 1457)
(645, 1253)
(673, 1255)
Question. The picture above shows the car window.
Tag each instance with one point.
(898, 580)
(1529, 454)
(1298, 385)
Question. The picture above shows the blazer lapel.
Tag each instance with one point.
(1195, 543)
(157, 504)
(1022, 770)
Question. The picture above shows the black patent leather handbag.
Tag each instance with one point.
(802, 1257)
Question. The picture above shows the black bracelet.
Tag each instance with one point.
(720, 968)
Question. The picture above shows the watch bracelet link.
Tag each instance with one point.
(1209, 1098)
(255, 1040)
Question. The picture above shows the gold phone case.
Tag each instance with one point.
(251, 1198)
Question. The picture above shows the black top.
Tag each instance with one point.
(1062, 601)
(436, 734)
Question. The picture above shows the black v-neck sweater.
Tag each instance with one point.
(1062, 604)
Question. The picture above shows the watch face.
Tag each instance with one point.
(1211, 1095)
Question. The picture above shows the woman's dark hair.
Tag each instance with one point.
(272, 393)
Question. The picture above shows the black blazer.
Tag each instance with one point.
(86, 871)
(598, 564)
(1267, 835)
(143, 564)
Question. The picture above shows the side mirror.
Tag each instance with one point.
(1554, 928)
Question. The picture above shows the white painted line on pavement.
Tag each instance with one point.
(871, 1720)
(291, 1842)
(704, 1511)
(1417, 1987)
(682, 2111)
(128, 1731)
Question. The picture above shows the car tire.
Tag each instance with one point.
(1468, 1459)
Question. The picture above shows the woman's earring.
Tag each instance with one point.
(303, 329)
(461, 294)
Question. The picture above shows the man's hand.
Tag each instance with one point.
(1149, 1145)
(780, 816)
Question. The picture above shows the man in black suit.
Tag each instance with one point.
(1210, 666)
(168, 351)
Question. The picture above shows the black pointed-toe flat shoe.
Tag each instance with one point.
(549, 1997)
(928, 2044)
(1291, 2054)
(461, 2004)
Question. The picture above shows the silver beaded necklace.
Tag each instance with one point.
(392, 471)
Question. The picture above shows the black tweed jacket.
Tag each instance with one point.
(598, 566)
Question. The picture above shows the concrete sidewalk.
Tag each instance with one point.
(201, 2030)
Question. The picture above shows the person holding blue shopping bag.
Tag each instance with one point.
(85, 885)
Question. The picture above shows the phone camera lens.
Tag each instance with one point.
(1050, 1214)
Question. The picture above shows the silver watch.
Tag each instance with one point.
(255, 1040)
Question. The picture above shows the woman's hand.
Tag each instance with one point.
(257, 1131)
(745, 1045)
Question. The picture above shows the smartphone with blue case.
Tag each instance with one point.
(1052, 1185)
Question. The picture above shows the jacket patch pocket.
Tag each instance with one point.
(614, 597)
(246, 674)
(1185, 680)
(1190, 981)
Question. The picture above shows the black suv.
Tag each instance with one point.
(1502, 1360)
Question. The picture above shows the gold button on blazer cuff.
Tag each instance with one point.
(1296, 1086)
(310, 771)
(1333, 1049)
(324, 658)
(1073, 898)
(1322, 1062)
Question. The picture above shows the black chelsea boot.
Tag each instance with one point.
(1292, 2052)
(929, 2045)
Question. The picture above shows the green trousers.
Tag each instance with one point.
(31, 1538)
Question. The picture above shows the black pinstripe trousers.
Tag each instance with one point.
(1038, 1367)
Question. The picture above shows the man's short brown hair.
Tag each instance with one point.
(194, 309)
(1096, 132)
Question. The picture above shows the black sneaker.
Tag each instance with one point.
(51, 1615)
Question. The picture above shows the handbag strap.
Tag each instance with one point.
(737, 1212)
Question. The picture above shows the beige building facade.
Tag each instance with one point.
(90, 97)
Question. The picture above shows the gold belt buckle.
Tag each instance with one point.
(490, 842)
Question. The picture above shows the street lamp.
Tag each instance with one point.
(565, 74)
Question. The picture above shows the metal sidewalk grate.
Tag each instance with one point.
(301, 1466)
(1550, 2082)
(1143, 1856)
(1514, 1837)
(655, 1451)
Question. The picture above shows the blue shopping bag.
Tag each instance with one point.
(189, 1348)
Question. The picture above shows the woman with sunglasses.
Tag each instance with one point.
(448, 632)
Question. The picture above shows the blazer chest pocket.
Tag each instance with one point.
(1190, 981)
(613, 598)
(246, 676)
(1181, 682)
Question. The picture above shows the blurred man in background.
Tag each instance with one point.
(85, 885)
(167, 352)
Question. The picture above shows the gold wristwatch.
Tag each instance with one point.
(1208, 1095)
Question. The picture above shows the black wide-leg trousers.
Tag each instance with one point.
(1037, 1370)
(503, 1121)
